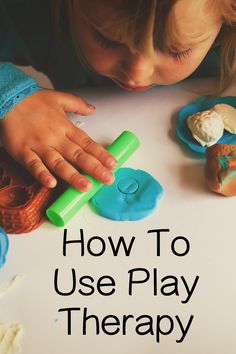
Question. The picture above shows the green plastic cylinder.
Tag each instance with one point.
(72, 200)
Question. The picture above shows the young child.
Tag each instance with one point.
(136, 44)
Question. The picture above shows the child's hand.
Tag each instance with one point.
(38, 135)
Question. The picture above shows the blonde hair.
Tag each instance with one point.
(228, 44)
(144, 25)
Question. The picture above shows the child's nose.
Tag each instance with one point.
(138, 68)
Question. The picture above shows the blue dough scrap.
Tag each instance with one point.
(4, 244)
(133, 196)
(202, 104)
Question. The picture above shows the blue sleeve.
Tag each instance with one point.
(15, 85)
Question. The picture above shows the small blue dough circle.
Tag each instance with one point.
(133, 196)
(4, 245)
(202, 104)
(128, 185)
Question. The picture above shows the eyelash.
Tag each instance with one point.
(179, 56)
(106, 43)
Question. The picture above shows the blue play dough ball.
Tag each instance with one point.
(4, 244)
(132, 196)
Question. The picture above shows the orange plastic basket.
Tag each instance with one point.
(23, 200)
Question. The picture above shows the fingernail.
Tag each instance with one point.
(90, 106)
(84, 184)
(111, 162)
(107, 177)
(50, 182)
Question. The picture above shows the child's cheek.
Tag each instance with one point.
(173, 71)
(103, 62)
(100, 63)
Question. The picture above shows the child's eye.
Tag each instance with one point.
(105, 42)
(181, 55)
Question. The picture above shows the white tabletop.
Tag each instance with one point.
(187, 209)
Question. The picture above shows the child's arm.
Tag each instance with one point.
(36, 133)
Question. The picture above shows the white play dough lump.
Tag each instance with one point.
(207, 127)
(228, 114)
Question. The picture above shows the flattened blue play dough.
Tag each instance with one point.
(202, 104)
(4, 244)
(133, 196)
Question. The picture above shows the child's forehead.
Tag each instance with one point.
(186, 12)
(191, 21)
(195, 11)
(100, 9)
(194, 15)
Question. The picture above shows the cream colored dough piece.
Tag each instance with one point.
(9, 338)
(228, 114)
(11, 284)
(207, 127)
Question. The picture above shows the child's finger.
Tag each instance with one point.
(60, 167)
(88, 163)
(74, 104)
(31, 161)
(79, 137)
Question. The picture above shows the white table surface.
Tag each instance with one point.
(187, 209)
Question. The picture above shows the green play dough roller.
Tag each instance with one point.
(70, 202)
